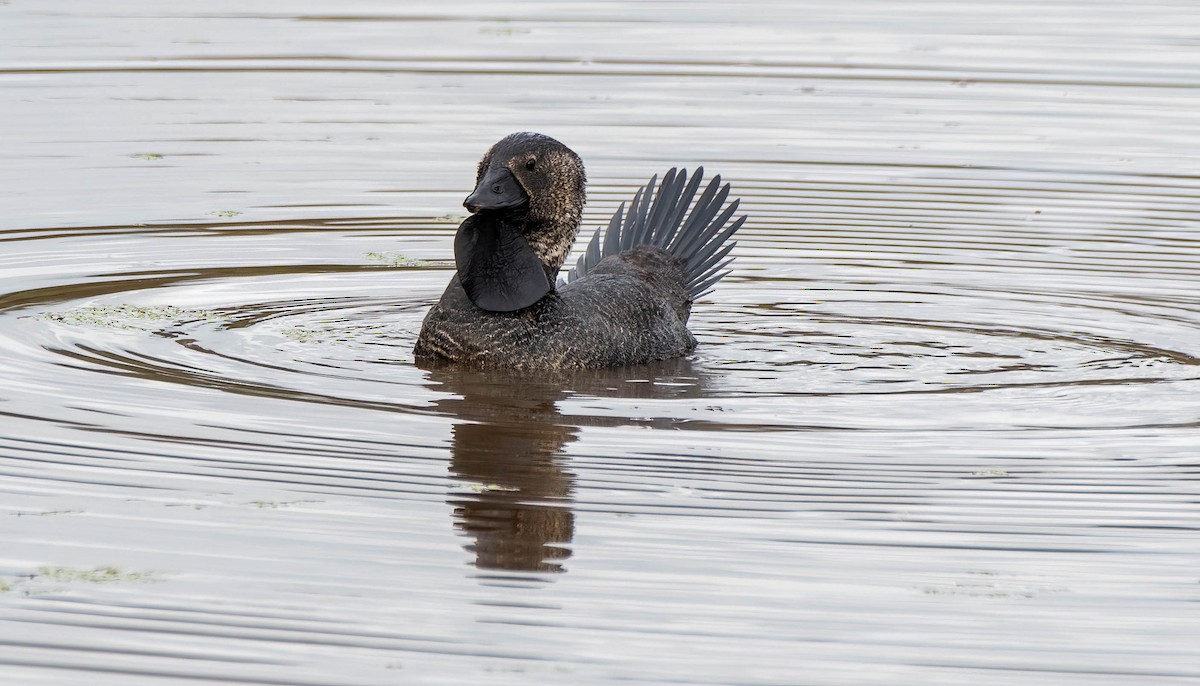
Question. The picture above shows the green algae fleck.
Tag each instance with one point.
(394, 259)
(990, 474)
(300, 335)
(489, 488)
(99, 575)
(128, 317)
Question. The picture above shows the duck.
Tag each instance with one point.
(628, 297)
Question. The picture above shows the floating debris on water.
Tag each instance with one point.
(394, 259)
(489, 488)
(503, 30)
(336, 332)
(129, 317)
(277, 504)
(46, 513)
(99, 575)
(300, 335)
(989, 474)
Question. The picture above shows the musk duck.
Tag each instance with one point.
(626, 301)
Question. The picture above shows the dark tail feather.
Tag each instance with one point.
(701, 237)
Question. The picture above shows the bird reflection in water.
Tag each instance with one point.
(508, 450)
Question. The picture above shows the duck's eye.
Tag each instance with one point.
(530, 163)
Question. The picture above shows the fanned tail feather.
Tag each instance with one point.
(701, 237)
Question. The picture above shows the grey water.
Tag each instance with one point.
(943, 425)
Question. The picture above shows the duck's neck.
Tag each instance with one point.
(551, 237)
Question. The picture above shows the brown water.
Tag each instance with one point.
(943, 426)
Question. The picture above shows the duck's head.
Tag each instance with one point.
(526, 207)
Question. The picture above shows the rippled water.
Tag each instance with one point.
(943, 426)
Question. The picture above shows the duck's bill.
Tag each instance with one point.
(497, 190)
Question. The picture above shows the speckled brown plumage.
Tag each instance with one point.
(626, 304)
(556, 189)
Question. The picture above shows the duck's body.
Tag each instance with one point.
(627, 302)
(613, 316)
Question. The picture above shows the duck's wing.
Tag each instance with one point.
(700, 236)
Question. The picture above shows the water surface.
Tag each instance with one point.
(942, 426)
